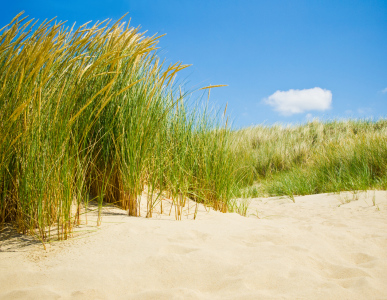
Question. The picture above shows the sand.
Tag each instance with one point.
(320, 247)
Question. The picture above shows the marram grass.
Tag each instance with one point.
(317, 157)
(92, 114)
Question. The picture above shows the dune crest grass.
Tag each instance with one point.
(318, 157)
(92, 114)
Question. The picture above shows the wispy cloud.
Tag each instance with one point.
(384, 91)
(298, 101)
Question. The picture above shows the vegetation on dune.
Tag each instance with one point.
(317, 157)
(91, 114)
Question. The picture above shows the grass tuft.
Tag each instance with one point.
(91, 115)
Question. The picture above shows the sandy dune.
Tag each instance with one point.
(320, 247)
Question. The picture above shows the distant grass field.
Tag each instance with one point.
(317, 157)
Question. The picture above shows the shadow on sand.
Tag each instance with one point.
(12, 241)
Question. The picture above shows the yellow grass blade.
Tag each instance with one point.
(225, 110)
(15, 139)
(212, 86)
(17, 16)
(17, 112)
(129, 86)
(91, 100)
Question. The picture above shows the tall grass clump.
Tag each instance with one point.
(92, 114)
(316, 157)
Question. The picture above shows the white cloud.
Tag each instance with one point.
(298, 101)
(384, 91)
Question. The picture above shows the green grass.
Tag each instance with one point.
(92, 114)
(317, 157)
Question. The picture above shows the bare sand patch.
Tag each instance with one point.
(328, 246)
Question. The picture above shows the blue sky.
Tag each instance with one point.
(283, 61)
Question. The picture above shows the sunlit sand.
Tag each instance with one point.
(328, 246)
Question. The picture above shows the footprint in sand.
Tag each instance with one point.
(355, 282)
(31, 294)
(340, 272)
(89, 294)
(362, 258)
(176, 249)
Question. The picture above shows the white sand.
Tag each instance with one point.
(310, 249)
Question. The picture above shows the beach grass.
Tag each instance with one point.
(91, 114)
(317, 157)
